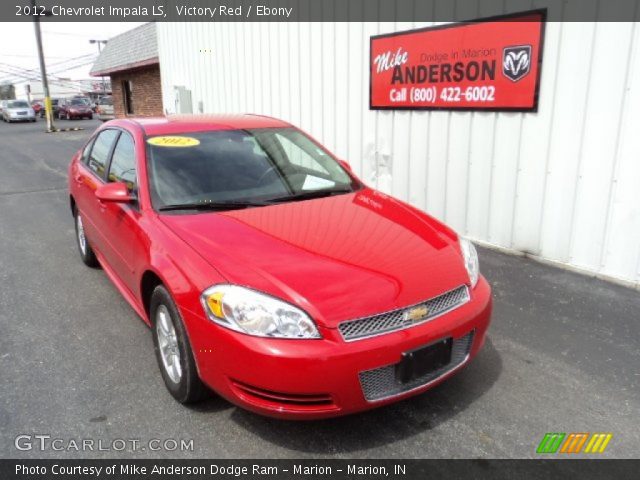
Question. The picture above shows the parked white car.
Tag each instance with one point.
(18, 111)
(105, 108)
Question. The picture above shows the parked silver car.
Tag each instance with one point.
(18, 111)
(105, 108)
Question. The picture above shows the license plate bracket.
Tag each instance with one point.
(424, 360)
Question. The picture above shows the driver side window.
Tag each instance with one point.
(123, 162)
(100, 151)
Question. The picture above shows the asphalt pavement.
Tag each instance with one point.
(563, 354)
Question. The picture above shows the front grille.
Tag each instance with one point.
(381, 383)
(397, 319)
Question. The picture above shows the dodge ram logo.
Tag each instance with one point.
(516, 62)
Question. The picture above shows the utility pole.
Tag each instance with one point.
(43, 71)
(100, 42)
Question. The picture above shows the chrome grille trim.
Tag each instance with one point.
(380, 383)
(394, 320)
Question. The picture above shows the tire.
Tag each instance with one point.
(179, 371)
(90, 117)
(86, 252)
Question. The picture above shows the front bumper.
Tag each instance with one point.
(21, 118)
(308, 379)
(80, 114)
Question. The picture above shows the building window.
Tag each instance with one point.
(127, 89)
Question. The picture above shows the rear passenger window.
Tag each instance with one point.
(123, 162)
(100, 151)
(86, 151)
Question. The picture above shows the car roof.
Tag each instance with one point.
(199, 123)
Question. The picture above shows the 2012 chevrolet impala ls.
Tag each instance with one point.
(268, 271)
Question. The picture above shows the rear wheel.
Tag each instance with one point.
(173, 350)
(86, 252)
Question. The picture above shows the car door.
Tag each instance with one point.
(120, 221)
(88, 176)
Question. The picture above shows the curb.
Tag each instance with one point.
(71, 129)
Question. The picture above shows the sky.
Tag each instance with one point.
(62, 41)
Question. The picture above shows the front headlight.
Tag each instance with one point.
(253, 313)
(470, 257)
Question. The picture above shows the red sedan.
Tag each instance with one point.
(268, 271)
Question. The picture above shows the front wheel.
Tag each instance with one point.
(86, 252)
(173, 350)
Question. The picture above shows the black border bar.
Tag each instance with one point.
(326, 469)
(318, 10)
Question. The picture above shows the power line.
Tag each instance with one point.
(30, 56)
(59, 67)
(68, 34)
(28, 74)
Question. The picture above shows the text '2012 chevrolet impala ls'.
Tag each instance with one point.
(268, 272)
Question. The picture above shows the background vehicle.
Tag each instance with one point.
(37, 105)
(18, 111)
(3, 104)
(105, 108)
(54, 108)
(69, 108)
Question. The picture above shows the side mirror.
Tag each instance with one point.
(345, 164)
(116, 192)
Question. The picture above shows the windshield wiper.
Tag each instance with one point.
(310, 194)
(211, 206)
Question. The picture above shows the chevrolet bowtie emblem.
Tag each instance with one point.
(415, 314)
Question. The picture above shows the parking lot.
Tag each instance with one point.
(563, 353)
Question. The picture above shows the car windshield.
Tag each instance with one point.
(241, 168)
(18, 104)
(78, 101)
(106, 101)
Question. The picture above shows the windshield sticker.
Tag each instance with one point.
(316, 183)
(173, 141)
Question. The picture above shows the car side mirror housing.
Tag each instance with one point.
(345, 164)
(116, 192)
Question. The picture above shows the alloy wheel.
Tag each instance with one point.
(168, 344)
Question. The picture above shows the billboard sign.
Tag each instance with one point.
(487, 64)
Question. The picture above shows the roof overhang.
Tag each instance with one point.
(125, 67)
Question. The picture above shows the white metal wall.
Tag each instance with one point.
(563, 183)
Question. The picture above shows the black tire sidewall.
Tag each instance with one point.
(189, 388)
(89, 257)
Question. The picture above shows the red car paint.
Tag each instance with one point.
(337, 258)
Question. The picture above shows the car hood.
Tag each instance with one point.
(339, 257)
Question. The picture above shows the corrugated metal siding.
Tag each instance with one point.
(563, 183)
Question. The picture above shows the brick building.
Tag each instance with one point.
(131, 61)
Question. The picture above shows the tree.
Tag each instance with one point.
(7, 91)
